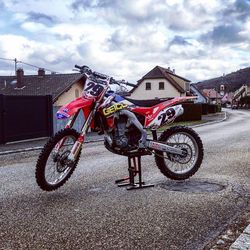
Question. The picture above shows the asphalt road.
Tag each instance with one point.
(90, 212)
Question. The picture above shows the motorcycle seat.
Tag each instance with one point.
(147, 103)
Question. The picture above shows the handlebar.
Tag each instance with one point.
(86, 69)
(78, 67)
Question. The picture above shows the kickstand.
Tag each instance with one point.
(134, 168)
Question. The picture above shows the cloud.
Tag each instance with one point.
(63, 37)
(223, 34)
(238, 10)
(85, 4)
(56, 9)
(178, 40)
(121, 12)
(40, 18)
(2, 6)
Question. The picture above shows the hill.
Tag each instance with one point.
(232, 81)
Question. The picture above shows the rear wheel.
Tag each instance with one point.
(53, 167)
(175, 166)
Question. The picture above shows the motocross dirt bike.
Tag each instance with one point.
(178, 151)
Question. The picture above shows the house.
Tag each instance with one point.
(213, 96)
(160, 83)
(201, 98)
(227, 98)
(244, 90)
(242, 96)
(63, 87)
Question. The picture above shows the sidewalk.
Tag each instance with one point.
(37, 144)
(217, 117)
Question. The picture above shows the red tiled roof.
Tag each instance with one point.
(211, 93)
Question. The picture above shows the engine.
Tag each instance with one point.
(125, 135)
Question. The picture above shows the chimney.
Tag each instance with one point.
(41, 72)
(174, 71)
(19, 78)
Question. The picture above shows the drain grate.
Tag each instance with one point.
(193, 186)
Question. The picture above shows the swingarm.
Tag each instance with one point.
(164, 148)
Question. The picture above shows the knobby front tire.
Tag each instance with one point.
(59, 164)
(177, 167)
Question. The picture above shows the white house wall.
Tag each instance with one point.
(184, 84)
(69, 95)
(141, 93)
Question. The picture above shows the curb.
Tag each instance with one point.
(99, 140)
(36, 148)
(212, 122)
(243, 241)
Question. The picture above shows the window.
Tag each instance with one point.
(148, 85)
(187, 85)
(161, 85)
(77, 93)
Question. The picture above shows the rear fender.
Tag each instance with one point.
(71, 108)
(164, 117)
(162, 113)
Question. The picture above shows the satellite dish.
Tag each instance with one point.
(14, 82)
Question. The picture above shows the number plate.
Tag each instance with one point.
(92, 90)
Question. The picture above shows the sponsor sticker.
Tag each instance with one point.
(110, 110)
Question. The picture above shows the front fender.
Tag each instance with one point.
(71, 108)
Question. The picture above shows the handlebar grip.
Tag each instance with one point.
(102, 76)
(77, 66)
(113, 81)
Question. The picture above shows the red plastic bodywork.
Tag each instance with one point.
(151, 113)
(79, 103)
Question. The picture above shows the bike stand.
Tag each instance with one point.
(134, 168)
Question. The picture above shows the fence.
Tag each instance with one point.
(25, 117)
(192, 112)
(210, 108)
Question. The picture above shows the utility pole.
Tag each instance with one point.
(15, 61)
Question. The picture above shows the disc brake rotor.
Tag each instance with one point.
(63, 162)
(187, 154)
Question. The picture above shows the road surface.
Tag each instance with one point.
(91, 212)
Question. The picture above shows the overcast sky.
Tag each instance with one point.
(127, 38)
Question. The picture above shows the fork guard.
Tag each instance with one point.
(163, 147)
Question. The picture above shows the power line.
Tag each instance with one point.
(13, 60)
(37, 67)
(7, 59)
(31, 65)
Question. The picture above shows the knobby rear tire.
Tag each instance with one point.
(44, 155)
(160, 162)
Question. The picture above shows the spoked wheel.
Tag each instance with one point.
(180, 167)
(53, 167)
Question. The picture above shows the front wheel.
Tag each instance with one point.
(175, 166)
(53, 167)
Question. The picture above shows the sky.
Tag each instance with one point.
(126, 38)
